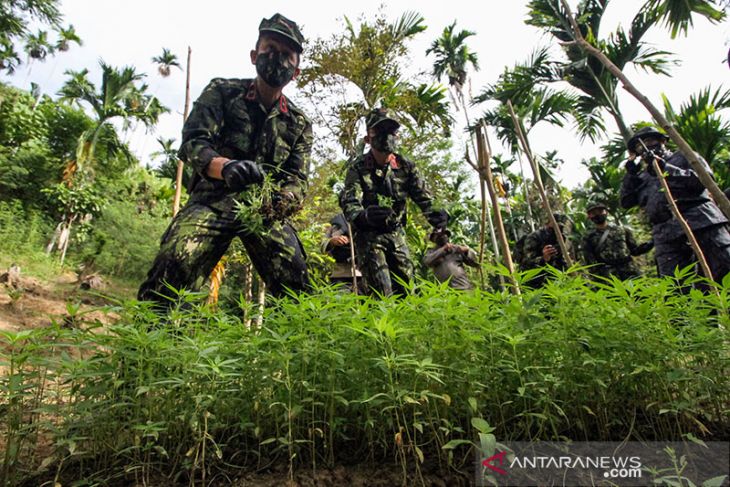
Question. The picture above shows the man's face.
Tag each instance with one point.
(384, 141)
(270, 44)
(651, 143)
(598, 215)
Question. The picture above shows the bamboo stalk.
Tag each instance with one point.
(685, 226)
(540, 187)
(485, 155)
(353, 265)
(704, 176)
(179, 174)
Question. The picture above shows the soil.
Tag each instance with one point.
(38, 303)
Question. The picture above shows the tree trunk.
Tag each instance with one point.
(704, 176)
(525, 189)
(179, 174)
(261, 301)
(486, 221)
(484, 157)
(540, 187)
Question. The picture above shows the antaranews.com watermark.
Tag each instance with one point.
(522, 464)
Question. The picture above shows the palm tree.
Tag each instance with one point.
(588, 75)
(453, 58)
(122, 95)
(367, 60)
(37, 45)
(165, 61)
(66, 37)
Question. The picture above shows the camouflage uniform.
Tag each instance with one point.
(610, 251)
(228, 120)
(672, 249)
(532, 251)
(383, 252)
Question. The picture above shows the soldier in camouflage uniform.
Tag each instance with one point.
(610, 248)
(540, 248)
(377, 186)
(240, 132)
(641, 187)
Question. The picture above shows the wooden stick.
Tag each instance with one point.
(685, 226)
(353, 265)
(704, 176)
(540, 187)
(485, 155)
(179, 174)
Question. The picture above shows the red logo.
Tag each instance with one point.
(498, 458)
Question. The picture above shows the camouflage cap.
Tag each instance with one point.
(595, 204)
(644, 133)
(381, 117)
(279, 24)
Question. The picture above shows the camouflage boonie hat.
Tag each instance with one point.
(279, 24)
(381, 117)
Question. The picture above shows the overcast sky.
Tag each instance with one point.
(221, 33)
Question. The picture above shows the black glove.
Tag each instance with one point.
(284, 204)
(438, 218)
(632, 167)
(239, 174)
(375, 218)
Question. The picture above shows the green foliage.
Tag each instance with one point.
(369, 58)
(332, 378)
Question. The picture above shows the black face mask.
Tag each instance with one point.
(599, 219)
(654, 150)
(385, 143)
(273, 67)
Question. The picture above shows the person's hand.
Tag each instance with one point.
(548, 252)
(463, 249)
(239, 174)
(339, 241)
(284, 203)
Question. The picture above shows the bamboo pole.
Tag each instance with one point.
(179, 174)
(484, 156)
(540, 187)
(353, 264)
(704, 176)
(675, 211)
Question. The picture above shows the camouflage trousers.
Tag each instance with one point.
(383, 258)
(198, 237)
(677, 254)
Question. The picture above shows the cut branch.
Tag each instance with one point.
(538, 181)
(705, 177)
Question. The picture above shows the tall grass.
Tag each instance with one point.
(332, 378)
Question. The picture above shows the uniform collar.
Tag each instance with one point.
(371, 163)
(252, 95)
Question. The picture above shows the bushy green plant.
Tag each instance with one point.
(336, 378)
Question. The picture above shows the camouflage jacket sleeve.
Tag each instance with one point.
(589, 256)
(202, 127)
(417, 190)
(293, 176)
(351, 194)
(532, 253)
